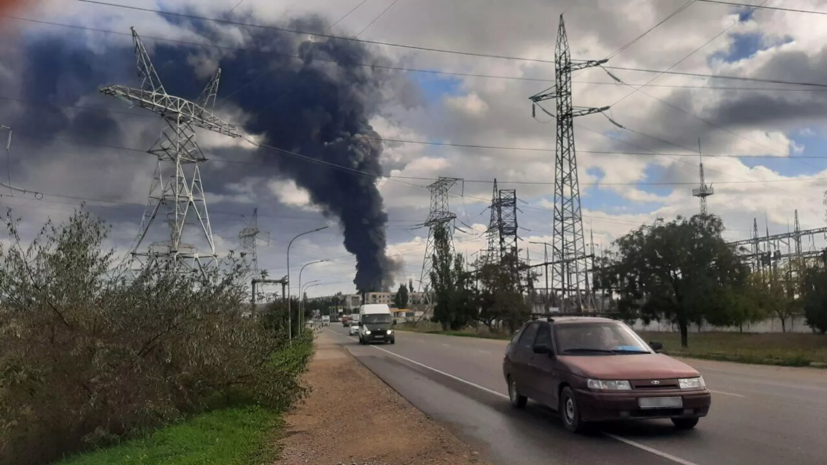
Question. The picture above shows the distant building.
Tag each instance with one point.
(380, 298)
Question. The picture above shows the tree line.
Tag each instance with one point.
(681, 271)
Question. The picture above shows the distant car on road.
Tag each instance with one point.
(353, 330)
(596, 369)
(345, 321)
(325, 320)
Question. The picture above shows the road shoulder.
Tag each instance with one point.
(352, 417)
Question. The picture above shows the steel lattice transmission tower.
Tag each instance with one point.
(176, 187)
(570, 262)
(703, 191)
(502, 228)
(492, 252)
(439, 217)
(250, 236)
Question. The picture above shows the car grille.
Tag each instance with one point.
(653, 384)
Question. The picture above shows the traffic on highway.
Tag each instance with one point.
(597, 377)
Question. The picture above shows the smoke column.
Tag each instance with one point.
(321, 110)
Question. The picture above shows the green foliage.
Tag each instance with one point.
(681, 270)
(401, 297)
(91, 353)
(451, 285)
(501, 294)
(815, 298)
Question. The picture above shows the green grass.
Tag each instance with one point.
(232, 436)
(238, 435)
(788, 349)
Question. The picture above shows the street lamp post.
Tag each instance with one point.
(302, 290)
(300, 280)
(289, 310)
(545, 263)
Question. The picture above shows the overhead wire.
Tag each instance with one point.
(763, 7)
(402, 68)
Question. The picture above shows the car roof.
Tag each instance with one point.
(374, 308)
(578, 319)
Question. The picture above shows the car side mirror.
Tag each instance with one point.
(360, 324)
(394, 323)
(656, 346)
(542, 349)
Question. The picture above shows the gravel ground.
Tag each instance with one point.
(353, 418)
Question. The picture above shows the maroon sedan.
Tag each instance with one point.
(596, 369)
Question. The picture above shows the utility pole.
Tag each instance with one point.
(438, 218)
(249, 238)
(282, 281)
(176, 187)
(571, 274)
(545, 265)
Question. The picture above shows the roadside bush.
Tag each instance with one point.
(90, 353)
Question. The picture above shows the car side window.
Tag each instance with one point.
(543, 336)
(527, 339)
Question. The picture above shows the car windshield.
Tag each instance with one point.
(376, 318)
(597, 339)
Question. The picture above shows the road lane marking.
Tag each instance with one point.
(726, 393)
(650, 450)
(499, 394)
(457, 378)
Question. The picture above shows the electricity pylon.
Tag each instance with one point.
(502, 228)
(571, 263)
(249, 238)
(703, 191)
(176, 186)
(439, 218)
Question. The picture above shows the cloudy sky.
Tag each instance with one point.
(763, 141)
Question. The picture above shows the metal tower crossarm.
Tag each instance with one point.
(170, 105)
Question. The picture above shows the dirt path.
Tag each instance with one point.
(351, 417)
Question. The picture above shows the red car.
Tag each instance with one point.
(596, 369)
(345, 321)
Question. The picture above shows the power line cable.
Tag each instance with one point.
(821, 87)
(315, 34)
(645, 33)
(377, 18)
(762, 7)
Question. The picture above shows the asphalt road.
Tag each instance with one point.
(759, 416)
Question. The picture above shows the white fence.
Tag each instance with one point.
(795, 324)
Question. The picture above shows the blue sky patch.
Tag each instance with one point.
(435, 87)
(814, 145)
(746, 45)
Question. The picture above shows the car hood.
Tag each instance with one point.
(642, 366)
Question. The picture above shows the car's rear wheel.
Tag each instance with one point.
(517, 400)
(570, 413)
(685, 423)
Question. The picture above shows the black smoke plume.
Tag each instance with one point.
(307, 95)
(321, 110)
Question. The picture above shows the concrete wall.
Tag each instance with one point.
(772, 325)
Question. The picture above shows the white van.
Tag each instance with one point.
(376, 324)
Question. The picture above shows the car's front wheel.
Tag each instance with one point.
(570, 413)
(685, 423)
(517, 401)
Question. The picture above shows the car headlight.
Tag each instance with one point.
(600, 385)
(390, 331)
(692, 383)
(367, 331)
